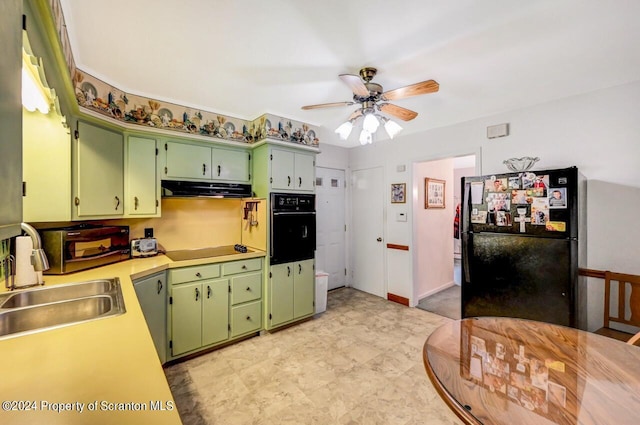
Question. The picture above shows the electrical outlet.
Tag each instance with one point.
(148, 232)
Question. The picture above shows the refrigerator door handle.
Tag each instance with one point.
(465, 257)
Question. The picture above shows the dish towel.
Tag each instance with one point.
(456, 223)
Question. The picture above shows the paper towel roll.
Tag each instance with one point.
(25, 275)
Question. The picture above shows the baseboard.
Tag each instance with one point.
(398, 299)
(436, 290)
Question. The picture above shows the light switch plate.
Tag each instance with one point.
(401, 216)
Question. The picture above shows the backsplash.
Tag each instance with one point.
(191, 223)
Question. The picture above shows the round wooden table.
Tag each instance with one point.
(494, 370)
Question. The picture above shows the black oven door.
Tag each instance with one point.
(293, 236)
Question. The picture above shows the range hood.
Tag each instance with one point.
(189, 189)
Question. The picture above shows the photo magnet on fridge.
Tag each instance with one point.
(558, 197)
(514, 182)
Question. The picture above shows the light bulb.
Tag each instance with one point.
(365, 137)
(392, 128)
(344, 130)
(370, 123)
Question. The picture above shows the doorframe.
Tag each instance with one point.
(348, 279)
(413, 301)
(384, 226)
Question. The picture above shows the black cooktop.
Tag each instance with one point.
(193, 254)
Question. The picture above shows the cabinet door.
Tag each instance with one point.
(152, 296)
(305, 171)
(281, 294)
(230, 165)
(141, 176)
(282, 163)
(186, 317)
(11, 119)
(304, 288)
(99, 177)
(188, 161)
(215, 311)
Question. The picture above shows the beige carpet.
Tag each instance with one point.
(360, 362)
(447, 303)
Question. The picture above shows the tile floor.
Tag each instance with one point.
(360, 362)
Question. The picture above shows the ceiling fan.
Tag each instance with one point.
(371, 100)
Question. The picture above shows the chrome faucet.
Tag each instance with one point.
(38, 257)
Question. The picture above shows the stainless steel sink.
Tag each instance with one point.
(61, 305)
(51, 294)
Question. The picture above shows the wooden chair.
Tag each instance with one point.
(620, 315)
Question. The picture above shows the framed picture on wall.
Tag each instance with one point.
(434, 193)
(398, 191)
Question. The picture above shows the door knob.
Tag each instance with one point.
(379, 239)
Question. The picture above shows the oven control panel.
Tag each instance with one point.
(292, 202)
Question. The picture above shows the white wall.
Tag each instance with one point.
(599, 132)
(433, 231)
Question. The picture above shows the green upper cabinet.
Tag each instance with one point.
(98, 173)
(10, 119)
(282, 169)
(202, 162)
(185, 161)
(142, 196)
(292, 170)
(230, 165)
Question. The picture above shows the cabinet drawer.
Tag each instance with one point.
(189, 274)
(246, 288)
(235, 267)
(246, 318)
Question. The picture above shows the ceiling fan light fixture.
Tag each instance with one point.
(345, 129)
(365, 137)
(392, 128)
(370, 123)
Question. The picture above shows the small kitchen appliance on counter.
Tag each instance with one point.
(144, 247)
(84, 246)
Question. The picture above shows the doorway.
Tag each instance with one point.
(331, 225)
(437, 254)
(368, 218)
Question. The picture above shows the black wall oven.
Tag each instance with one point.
(293, 227)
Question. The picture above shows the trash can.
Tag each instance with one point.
(322, 284)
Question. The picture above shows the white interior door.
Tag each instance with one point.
(330, 225)
(368, 224)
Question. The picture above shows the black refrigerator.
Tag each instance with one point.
(523, 240)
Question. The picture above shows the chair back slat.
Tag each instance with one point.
(627, 284)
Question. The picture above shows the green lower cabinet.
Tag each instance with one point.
(304, 288)
(215, 311)
(246, 318)
(186, 318)
(281, 294)
(291, 292)
(211, 304)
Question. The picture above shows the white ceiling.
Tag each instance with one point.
(247, 57)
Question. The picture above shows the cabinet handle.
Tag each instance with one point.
(249, 288)
(135, 202)
(219, 170)
(117, 203)
(248, 317)
(288, 271)
(299, 268)
(159, 286)
(198, 274)
(197, 294)
(244, 267)
(208, 291)
(288, 180)
(299, 181)
(204, 169)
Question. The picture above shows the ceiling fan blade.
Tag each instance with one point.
(429, 86)
(355, 84)
(398, 112)
(327, 105)
(356, 114)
